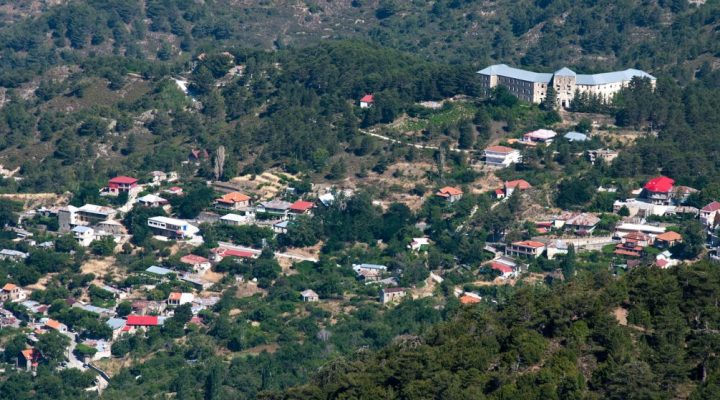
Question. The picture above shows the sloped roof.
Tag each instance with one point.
(368, 98)
(669, 236)
(9, 287)
(714, 206)
(661, 184)
(127, 180)
(575, 136)
(500, 149)
(449, 191)
(612, 77)
(234, 197)
(520, 184)
(301, 205)
(193, 259)
(308, 293)
(505, 269)
(529, 243)
(565, 71)
(516, 73)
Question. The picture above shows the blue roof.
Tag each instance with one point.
(371, 266)
(565, 71)
(575, 136)
(612, 77)
(115, 323)
(81, 229)
(158, 270)
(580, 79)
(516, 73)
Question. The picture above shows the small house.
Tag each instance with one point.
(178, 299)
(708, 213)
(12, 292)
(545, 136)
(367, 101)
(418, 244)
(392, 294)
(506, 271)
(501, 156)
(575, 137)
(199, 264)
(668, 239)
(151, 200)
(450, 194)
(309, 296)
(84, 235)
(301, 207)
(233, 201)
(369, 272)
(121, 184)
(526, 248)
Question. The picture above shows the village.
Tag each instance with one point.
(639, 231)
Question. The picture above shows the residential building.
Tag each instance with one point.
(545, 136)
(160, 271)
(87, 215)
(418, 244)
(151, 200)
(391, 295)
(12, 292)
(54, 325)
(575, 137)
(157, 177)
(102, 348)
(199, 264)
(369, 272)
(236, 219)
(121, 184)
(281, 227)
(309, 295)
(556, 247)
(625, 228)
(506, 271)
(14, 255)
(219, 253)
(178, 299)
(469, 298)
(582, 223)
(110, 227)
(642, 209)
(274, 207)
(606, 155)
(172, 228)
(175, 191)
(198, 155)
(668, 239)
(83, 235)
(658, 190)
(142, 320)
(501, 156)
(450, 194)
(681, 194)
(533, 86)
(526, 248)
(709, 213)
(116, 325)
(233, 201)
(367, 101)
(510, 186)
(29, 359)
(633, 244)
(301, 207)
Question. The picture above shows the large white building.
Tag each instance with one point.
(501, 156)
(172, 228)
(533, 86)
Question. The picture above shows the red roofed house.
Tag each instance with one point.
(55, 325)
(178, 299)
(121, 184)
(199, 264)
(505, 270)
(526, 248)
(667, 239)
(301, 207)
(142, 320)
(510, 186)
(219, 253)
(12, 292)
(28, 359)
(233, 201)
(708, 213)
(470, 298)
(367, 101)
(197, 155)
(501, 156)
(632, 244)
(659, 190)
(450, 194)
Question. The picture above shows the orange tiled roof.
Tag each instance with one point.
(449, 191)
(9, 287)
(234, 197)
(669, 236)
(465, 299)
(175, 296)
(51, 323)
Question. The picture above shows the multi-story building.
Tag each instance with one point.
(501, 156)
(172, 228)
(533, 86)
(659, 190)
(526, 248)
(87, 215)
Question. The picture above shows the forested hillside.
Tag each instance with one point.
(650, 335)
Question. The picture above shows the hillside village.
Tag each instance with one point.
(254, 232)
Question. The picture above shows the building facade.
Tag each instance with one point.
(533, 86)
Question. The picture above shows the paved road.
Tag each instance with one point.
(295, 257)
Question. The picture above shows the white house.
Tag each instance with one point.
(367, 101)
(83, 235)
(709, 213)
(501, 156)
(178, 299)
(172, 228)
(199, 264)
(540, 136)
(151, 200)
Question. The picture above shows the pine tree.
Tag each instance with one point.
(550, 102)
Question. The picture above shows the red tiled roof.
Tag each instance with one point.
(128, 180)
(301, 205)
(521, 184)
(233, 253)
(193, 259)
(622, 252)
(530, 243)
(234, 197)
(661, 184)
(500, 149)
(51, 323)
(9, 287)
(175, 296)
(669, 236)
(500, 192)
(465, 299)
(142, 320)
(661, 262)
(501, 267)
(368, 98)
(449, 191)
(714, 206)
